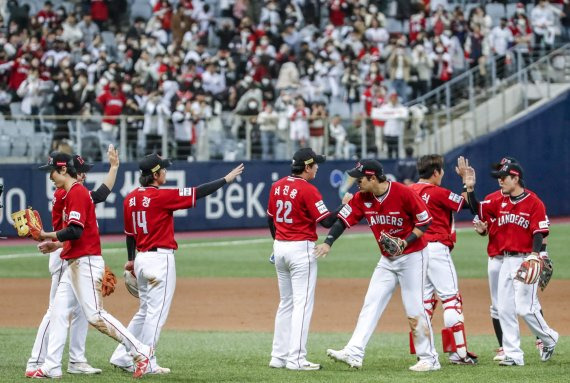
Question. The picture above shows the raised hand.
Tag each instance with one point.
(462, 164)
(113, 155)
(469, 177)
(231, 176)
(347, 197)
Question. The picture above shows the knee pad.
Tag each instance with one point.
(452, 310)
(430, 305)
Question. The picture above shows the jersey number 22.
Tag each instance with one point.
(284, 207)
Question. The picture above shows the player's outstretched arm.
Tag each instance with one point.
(231, 176)
(113, 155)
(70, 233)
(336, 231)
(210, 187)
(47, 247)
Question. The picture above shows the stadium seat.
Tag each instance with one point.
(495, 11)
(20, 146)
(141, 8)
(16, 108)
(5, 146)
(511, 9)
(394, 25)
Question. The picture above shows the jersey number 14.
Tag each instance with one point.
(139, 219)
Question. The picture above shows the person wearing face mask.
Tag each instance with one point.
(442, 68)
(112, 101)
(267, 90)
(500, 39)
(214, 82)
(33, 97)
(65, 103)
(399, 66)
(184, 132)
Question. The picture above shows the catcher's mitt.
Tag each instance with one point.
(28, 223)
(546, 273)
(530, 270)
(131, 284)
(391, 245)
(109, 282)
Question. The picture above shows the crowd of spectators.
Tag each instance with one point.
(279, 70)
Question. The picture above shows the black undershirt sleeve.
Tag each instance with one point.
(473, 202)
(131, 248)
(208, 188)
(70, 233)
(412, 237)
(271, 225)
(537, 242)
(336, 231)
(101, 194)
(331, 218)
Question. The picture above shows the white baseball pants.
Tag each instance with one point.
(79, 324)
(81, 284)
(296, 268)
(517, 298)
(156, 279)
(493, 270)
(409, 271)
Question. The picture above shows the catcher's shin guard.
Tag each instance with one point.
(430, 305)
(453, 335)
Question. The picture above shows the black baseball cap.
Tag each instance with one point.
(56, 160)
(508, 169)
(153, 163)
(80, 164)
(504, 160)
(306, 156)
(367, 168)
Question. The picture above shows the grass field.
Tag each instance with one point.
(243, 357)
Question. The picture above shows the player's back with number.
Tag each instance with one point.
(296, 207)
(148, 215)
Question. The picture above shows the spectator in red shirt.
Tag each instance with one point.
(46, 15)
(112, 102)
(99, 12)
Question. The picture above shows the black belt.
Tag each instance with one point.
(153, 249)
(513, 253)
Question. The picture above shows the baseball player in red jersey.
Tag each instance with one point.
(295, 207)
(495, 259)
(149, 227)
(394, 209)
(81, 281)
(522, 225)
(441, 237)
(78, 326)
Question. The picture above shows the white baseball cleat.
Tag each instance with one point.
(508, 362)
(424, 366)
(39, 374)
(159, 371)
(82, 368)
(303, 366)
(142, 363)
(277, 363)
(547, 352)
(31, 367)
(500, 355)
(343, 356)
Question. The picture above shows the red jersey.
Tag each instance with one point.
(57, 205)
(79, 209)
(441, 203)
(516, 221)
(296, 207)
(493, 247)
(112, 105)
(397, 212)
(148, 215)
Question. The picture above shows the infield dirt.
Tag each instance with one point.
(249, 304)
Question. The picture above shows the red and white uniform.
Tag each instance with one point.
(442, 277)
(299, 125)
(397, 212)
(296, 207)
(78, 325)
(516, 223)
(80, 284)
(112, 105)
(148, 216)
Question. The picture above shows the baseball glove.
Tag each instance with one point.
(391, 245)
(109, 282)
(131, 284)
(546, 273)
(530, 270)
(28, 223)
